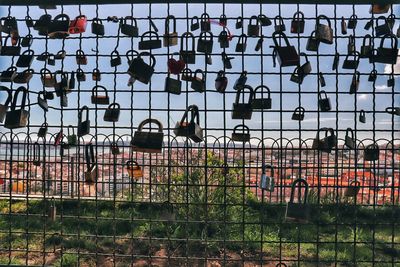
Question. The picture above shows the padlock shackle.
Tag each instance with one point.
(245, 128)
(325, 18)
(352, 40)
(362, 112)
(167, 20)
(89, 155)
(281, 264)
(7, 37)
(320, 95)
(130, 163)
(204, 17)
(280, 19)
(29, 52)
(131, 18)
(241, 89)
(221, 73)
(280, 34)
(380, 18)
(267, 166)
(355, 183)
(148, 121)
(391, 37)
(293, 188)
(199, 71)
(304, 55)
(356, 76)
(187, 72)
(203, 36)
(73, 130)
(9, 94)
(79, 53)
(64, 75)
(251, 19)
(299, 110)
(329, 130)
(149, 34)
(16, 94)
(349, 130)
(194, 114)
(36, 151)
(298, 16)
(194, 18)
(131, 53)
(97, 20)
(260, 88)
(369, 37)
(242, 39)
(152, 58)
(187, 35)
(62, 16)
(114, 105)
(115, 54)
(95, 90)
(84, 108)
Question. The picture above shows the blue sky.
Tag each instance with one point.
(285, 98)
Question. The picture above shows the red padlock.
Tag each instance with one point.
(58, 138)
(78, 25)
(175, 66)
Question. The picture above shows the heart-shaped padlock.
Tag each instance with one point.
(175, 66)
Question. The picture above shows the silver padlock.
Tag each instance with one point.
(267, 182)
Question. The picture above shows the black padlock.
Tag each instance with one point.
(253, 29)
(173, 86)
(221, 82)
(29, 21)
(115, 148)
(352, 22)
(371, 152)
(72, 139)
(130, 55)
(362, 117)
(267, 182)
(366, 48)
(336, 60)
(297, 75)
(287, 55)
(59, 27)
(8, 75)
(150, 43)
(349, 140)
(42, 101)
(299, 212)
(25, 59)
(241, 81)
(43, 130)
(129, 29)
(80, 75)
(355, 82)
(223, 20)
(239, 22)
(390, 82)
(194, 23)
(383, 28)
(312, 42)
(279, 24)
(351, 61)
(372, 76)
(4, 107)
(17, 118)
(27, 40)
(61, 86)
(223, 39)
(51, 60)
(170, 38)
(190, 127)
(188, 55)
(306, 67)
(324, 33)
(112, 112)
(264, 20)
(140, 70)
(351, 46)
(208, 59)
(97, 27)
(42, 24)
(324, 102)
(298, 114)
(205, 24)
(36, 154)
(243, 110)
(226, 60)
(83, 125)
(151, 142)
(387, 55)
(63, 99)
(80, 57)
(198, 83)
(91, 173)
(265, 101)
(96, 75)
(98, 98)
(8, 24)
(9, 49)
(205, 43)
(187, 75)
(259, 43)
(352, 189)
(343, 26)
(243, 136)
(393, 110)
(327, 143)
(297, 25)
(43, 56)
(115, 59)
(369, 24)
(242, 43)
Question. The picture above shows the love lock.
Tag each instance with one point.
(25, 59)
(115, 148)
(321, 79)
(205, 24)
(239, 22)
(42, 24)
(390, 82)
(42, 102)
(62, 86)
(173, 86)
(349, 139)
(187, 75)
(129, 29)
(134, 170)
(299, 212)
(188, 56)
(78, 25)
(80, 57)
(223, 20)
(29, 21)
(306, 68)
(243, 136)
(8, 24)
(383, 28)
(150, 142)
(324, 33)
(91, 173)
(241, 81)
(112, 112)
(151, 43)
(52, 212)
(96, 75)
(80, 76)
(312, 42)
(259, 43)
(190, 129)
(97, 27)
(298, 114)
(205, 43)
(355, 82)
(198, 83)
(83, 126)
(115, 59)
(100, 99)
(343, 26)
(324, 103)
(366, 48)
(4, 107)
(351, 46)
(27, 40)
(170, 38)
(241, 44)
(8, 75)
(43, 130)
(71, 137)
(264, 20)
(253, 30)
(372, 76)
(194, 23)
(17, 118)
(223, 39)
(279, 24)
(226, 61)
(24, 76)
(287, 55)
(221, 82)
(352, 22)
(58, 29)
(63, 100)
(130, 55)
(140, 70)
(243, 110)
(361, 117)
(36, 154)
(351, 61)
(327, 143)
(260, 104)
(336, 60)
(10, 50)
(352, 189)
(267, 182)
(297, 25)
(371, 152)
(388, 55)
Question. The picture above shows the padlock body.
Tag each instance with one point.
(324, 104)
(111, 114)
(173, 86)
(287, 56)
(242, 111)
(299, 212)
(240, 137)
(91, 174)
(84, 128)
(16, 119)
(261, 103)
(170, 39)
(191, 130)
(150, 142)
(140, 70)
(267, 183)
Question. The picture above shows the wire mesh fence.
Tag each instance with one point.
(301, 171)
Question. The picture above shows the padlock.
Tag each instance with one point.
(43, 130)
(264, 20)
(324, 102)
(393, 110)
(25, 59)
(267, 182)
(27, 40)
(279, 24)
(150, 43)
(223, 39)
(253, 29)
(64, 100)
(42, 24)
(8, 75)
(170, 38)
(324, 33)
(112, 112)
(58, 139)
(29, 21)
(173, 86)
(96, 75)
(372, 76)
(115, 59)
(390, 81)
(208, 59)
(351, 61)
(115, 148)
(387, 55)
(151, 142)
(241, 81)
(187, 75)
(312, 42)
(71, 84)
(343, 26)
(36, 154)
(239, 22)
(61, 86)
(198, 83)
(190, 127)
(194, 23)
(8, 24)
(78, 25)
(83, 126)
(17, 118)
(221, 82)
(306, 67)
(52, 212)
(327, 143)
(336, 60)
(51, 60)
(91, 173)
(352, 189)
(134, 170)
(369, 24)
(80, 57)
(130, 55)
(351, 46)
(264, 102)
(355, 82)
(175, 66)
(366, 48)
(391, 19)
(140, 70)
(72, 139)
(226, 61)
(10, 50)
(205, 43)
(352, 22)
(188, 56)
(43, 56)
(349, 140)
(205, 24)
(379, 8)
(58, 28)
(259, 43)
(129, 29)
(300, 211)
(80, 75)
(243, 136)
(298, 114)
(361, 117)
(97, 27)
(321, 79)
(297, 75)
(223, 20)
(242, 43)
(287, 55)
(4, 107)
(297, 25)
(382, 29)
(42, 102)
(243, 110)
(371, 152)
(100, 99)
